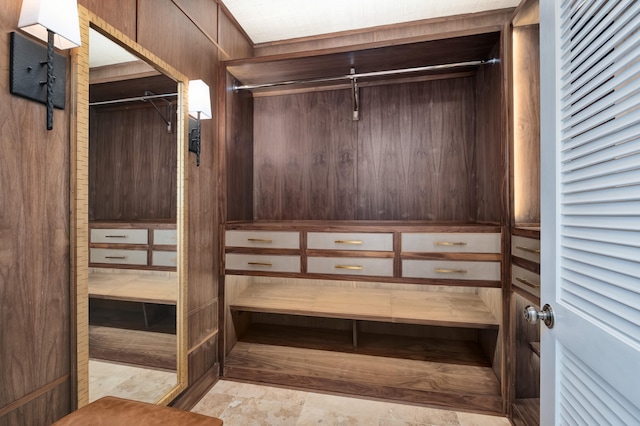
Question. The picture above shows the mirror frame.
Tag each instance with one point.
(79, 199)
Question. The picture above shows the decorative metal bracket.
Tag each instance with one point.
(166, 120)
(355, 90)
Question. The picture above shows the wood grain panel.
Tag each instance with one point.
(491, 158)
(386, 35)
(238, 165)
(434, 383)
(231, 39)
(526, 131)
(132, 169)
(305, 156)
(202, 359)
(45, 409)
(34, 249)
(119, 13)
(416, 150)
(203, 323)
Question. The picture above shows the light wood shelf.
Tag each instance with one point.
(395, 306)
(134, 287)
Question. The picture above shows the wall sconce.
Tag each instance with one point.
(57, 23)
(199, 109)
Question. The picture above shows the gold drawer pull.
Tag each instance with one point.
(530, 250)
(115, 236)
(449, 243)
(352, 242)
(260, 263)
(527, 282)
(350, 267)
(116, 257)
(450, 271)
(260, 240)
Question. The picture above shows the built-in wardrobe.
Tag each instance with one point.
(524, 339)
(367, 223)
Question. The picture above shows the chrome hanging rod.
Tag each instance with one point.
(138, 98)
(367, 74)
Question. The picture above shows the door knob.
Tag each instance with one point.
(531, 315)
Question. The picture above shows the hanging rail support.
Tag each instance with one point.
(356, 96)
(166, 120)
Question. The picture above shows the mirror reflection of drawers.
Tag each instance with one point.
(118, 257)
(133, 245)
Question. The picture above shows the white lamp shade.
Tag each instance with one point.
(199, 99)
(59, 16)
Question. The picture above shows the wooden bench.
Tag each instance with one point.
(117, 411)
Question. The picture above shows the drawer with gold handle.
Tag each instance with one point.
(526, 280)
(119, 236)
(259, 262)
(165, 237)
(525, 248)
(164, 258)
(380, 267)
(117, 256)
(453, 242)
(364, 241)
(263, 239)
(451, 270)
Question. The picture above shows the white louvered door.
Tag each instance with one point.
(590, 237)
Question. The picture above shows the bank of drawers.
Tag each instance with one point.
(524, 275)
(451, 243)
(133, 245)
(367, 254)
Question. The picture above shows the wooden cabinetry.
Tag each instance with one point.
(525, 224)
(376, 242)
(133, 245)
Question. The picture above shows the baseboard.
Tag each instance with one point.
(190, 397)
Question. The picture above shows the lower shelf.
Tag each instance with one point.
(134, 347)
(436, 372)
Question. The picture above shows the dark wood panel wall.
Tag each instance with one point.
(132, 165)
(413, 155)
(34, 252)
(34, 209)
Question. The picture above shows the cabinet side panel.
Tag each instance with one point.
(490, 159)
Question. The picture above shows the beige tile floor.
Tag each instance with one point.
(243, 404)
(125, 381)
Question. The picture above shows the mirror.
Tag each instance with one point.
(130, 241)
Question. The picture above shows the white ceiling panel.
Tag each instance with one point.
(271, 20)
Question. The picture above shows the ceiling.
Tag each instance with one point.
(271, 20)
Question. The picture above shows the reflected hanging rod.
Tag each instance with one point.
(368, 74)
(136, 99)
(148, 97)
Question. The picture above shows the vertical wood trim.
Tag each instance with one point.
(79, 185)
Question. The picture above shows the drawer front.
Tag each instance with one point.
(263, 239)
(164, 258)
(526, 248)
(120, 236)
(526, 280)
(349, 241)
(350, 266)
(455, 242)
(165, 237)
(118, 257)
(266, 263)
(451, 270)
